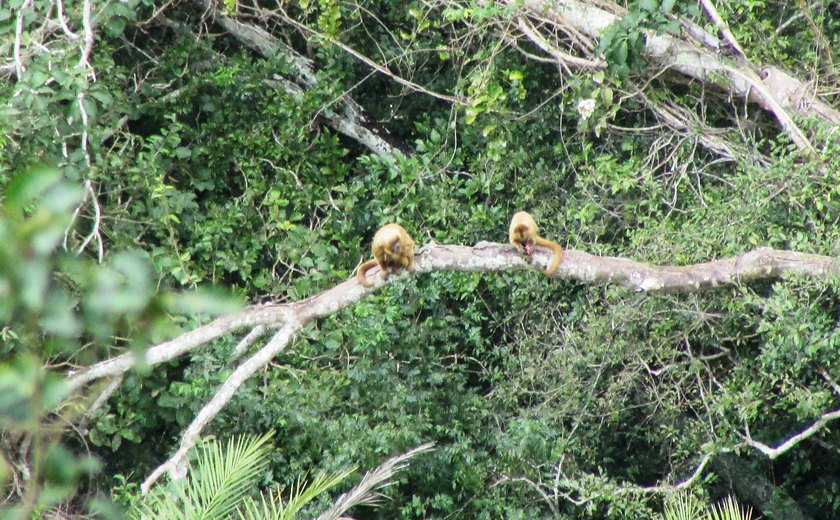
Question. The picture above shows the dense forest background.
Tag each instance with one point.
(165, 164)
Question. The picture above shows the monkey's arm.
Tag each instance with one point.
(556, 257)
(360, 274)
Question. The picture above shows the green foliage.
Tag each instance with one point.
(49, 311)
(218, 484)
(624, 41)
(684, 506)
(207, 173)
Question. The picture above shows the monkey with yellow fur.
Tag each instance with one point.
(524, 235)
(392, 248)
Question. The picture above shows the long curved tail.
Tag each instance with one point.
(556, 257)
(363, 269)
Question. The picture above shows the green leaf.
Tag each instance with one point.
(648, 5)
(30, 184)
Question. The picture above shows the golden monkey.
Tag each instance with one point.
(393, 248)
(524, 235)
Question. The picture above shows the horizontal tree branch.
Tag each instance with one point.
(483, 257)
(762, 263)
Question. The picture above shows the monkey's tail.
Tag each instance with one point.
(363, 269)
(556, 257)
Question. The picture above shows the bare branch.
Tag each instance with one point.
(88, 31)
(828, 379)
(709, 7)
(484, 256)
(63, 22)
(773, 453)
(763, 263)
(106, 393)
(249, 339)
(176, 464)
(670, 488)
(168, 350)
(350, 120)
(698, 63)
(552, 504)
(19, 67)
(379, 68)
(562, 58)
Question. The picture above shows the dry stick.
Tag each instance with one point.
(774, 453)
(255, 334)
(19, 67)
(559, 56)
(770, 452)
(455, 100)
(698, 130)
(712, 13)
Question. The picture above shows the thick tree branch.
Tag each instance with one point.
(485, 256)
(763, 263)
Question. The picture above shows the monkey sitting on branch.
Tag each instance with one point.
(393, 249)
(524, 235)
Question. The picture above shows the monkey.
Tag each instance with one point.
(524, 235)
(392, 248)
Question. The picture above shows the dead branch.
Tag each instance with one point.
(715, 17)
(350, 119)
(176, 464)
(701, 64)
(781, 449)
(664, 488)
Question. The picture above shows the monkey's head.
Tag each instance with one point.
(395, 247)
(521, 237)
(528, 246)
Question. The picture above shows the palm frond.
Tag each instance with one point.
(728, 509)
(365, 492)
(215, 485)
(272, 506)
(682, 506)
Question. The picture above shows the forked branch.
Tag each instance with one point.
(762, 263)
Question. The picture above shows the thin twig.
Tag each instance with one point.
(384, 70)
(709, 7)
(19, 68)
